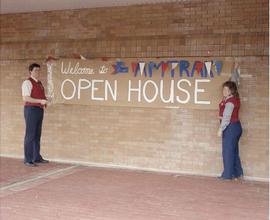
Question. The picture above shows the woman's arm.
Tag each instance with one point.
(226, 117)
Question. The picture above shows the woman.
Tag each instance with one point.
(231, 130)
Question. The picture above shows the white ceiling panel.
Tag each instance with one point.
(22, 6)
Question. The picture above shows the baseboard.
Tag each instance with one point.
(115, 166)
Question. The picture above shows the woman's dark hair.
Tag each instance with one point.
(232, 87)
(33, 65)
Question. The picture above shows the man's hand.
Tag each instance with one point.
(43, 101)
(49, 100)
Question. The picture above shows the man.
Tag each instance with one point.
(34, 102)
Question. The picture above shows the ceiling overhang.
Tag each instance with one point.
(24, 6)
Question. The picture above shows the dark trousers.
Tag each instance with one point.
(33, 123)
(230, 151)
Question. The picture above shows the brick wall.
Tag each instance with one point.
(164, 139)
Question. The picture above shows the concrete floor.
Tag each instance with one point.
(61, 191)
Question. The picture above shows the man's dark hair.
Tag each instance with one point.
(33, 65)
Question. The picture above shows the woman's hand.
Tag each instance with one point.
(236, 65)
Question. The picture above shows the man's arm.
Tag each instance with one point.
(30, 99)
(26, 93)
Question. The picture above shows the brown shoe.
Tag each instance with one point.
(223, 179)
(239, 178)
(30, 164)
(42, 161)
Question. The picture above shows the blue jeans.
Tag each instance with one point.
(33, 124)
(230, 151)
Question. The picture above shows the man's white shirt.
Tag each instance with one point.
(27, 87)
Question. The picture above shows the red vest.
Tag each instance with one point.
(37, 92)
(236, 103)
